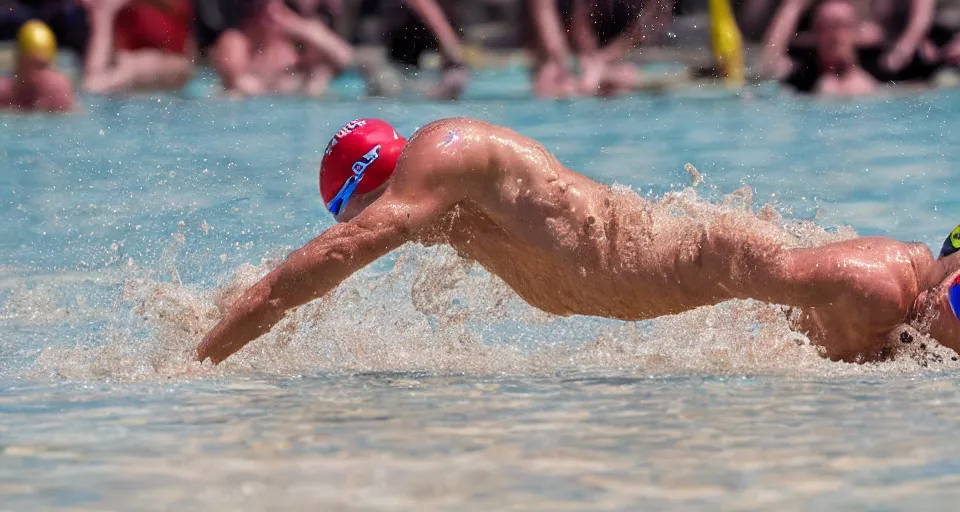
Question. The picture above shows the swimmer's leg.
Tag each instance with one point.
(738, 256)
(856, 291)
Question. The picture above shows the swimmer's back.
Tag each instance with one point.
(513, 174)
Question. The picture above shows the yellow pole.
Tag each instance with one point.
(727, 42)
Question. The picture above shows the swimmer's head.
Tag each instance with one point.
(36, 44)
(939, 311)
(835, 26)
(357, 164)
(951, 244)
(938, 307)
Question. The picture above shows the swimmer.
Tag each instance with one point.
(36, 85)
(571, 246)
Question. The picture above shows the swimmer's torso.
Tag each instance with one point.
(566, 244)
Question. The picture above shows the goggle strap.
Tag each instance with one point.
(340, 200)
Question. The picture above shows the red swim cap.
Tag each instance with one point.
(351, 145)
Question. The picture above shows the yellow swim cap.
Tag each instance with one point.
(36, 39)
(951, 244)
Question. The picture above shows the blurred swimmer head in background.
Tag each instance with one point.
(36, 46)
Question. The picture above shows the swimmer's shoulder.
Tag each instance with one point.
(452, 144)
(453, 150)
(467, 138)
(460, 125)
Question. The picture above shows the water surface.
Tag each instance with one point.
(423, 382)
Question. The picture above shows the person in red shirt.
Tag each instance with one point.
(139, 44)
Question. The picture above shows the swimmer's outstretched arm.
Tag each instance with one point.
(313, 270)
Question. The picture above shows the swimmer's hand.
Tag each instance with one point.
(249, 317)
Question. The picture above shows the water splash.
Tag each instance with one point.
(431, 312)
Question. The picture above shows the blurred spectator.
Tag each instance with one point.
(261, 55)
(907, 27)
(213, 18)
(139, 44)
(601, 33)
(36, 84)
(319, 66)
(834, 68)
(754, 16)
(411, 28)
(790, 30)
(919, 46)
(897, 40)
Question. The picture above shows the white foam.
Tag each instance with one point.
(434, 312)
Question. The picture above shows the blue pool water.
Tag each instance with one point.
(425, 383)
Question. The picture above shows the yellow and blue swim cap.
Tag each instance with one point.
(37, 40)
(951, 244)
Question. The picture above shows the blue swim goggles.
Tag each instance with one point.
(954, 297)
(359, 168)
(950, 246)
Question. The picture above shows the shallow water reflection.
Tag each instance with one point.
(403, 441)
